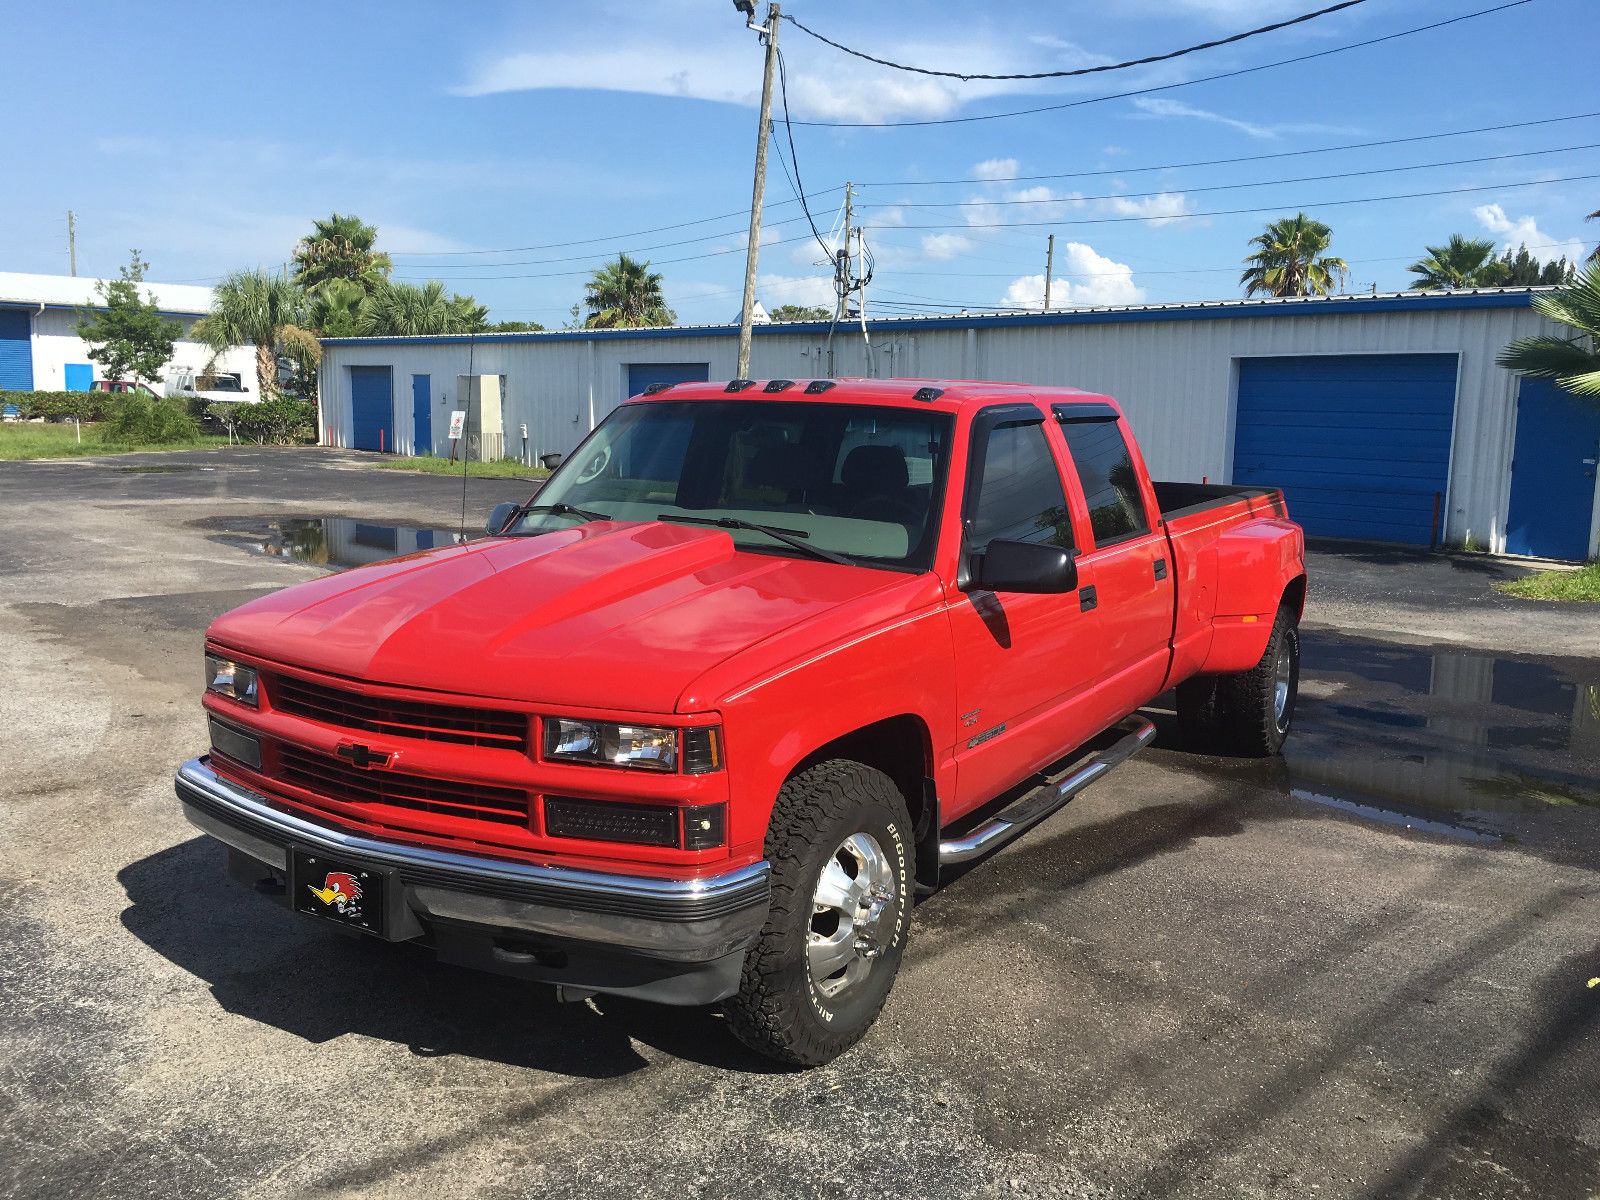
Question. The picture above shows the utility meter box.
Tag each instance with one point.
(485, 433)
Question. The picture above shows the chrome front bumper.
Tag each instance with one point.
(693, 921)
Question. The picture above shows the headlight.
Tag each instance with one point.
(233, 680)
(653, 747)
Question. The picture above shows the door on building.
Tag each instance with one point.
(78, 377)
(1359, 443)
(1553, 472)
(372, 408)
(642, 375)
(16, 350)
(422, 414)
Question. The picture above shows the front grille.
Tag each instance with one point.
(611, 821)
(403, 718)
(336, 779)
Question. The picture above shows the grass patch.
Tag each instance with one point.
(1582, 584)
(30, 440)
(506, 468)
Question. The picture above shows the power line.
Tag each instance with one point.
(968, 76)
(584, 271)
(1220, 162)
(1231, 212)
(798, 185)
(1165, 87)
(1228, 187)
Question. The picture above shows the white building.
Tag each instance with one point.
(1383, 417)
(40, 349)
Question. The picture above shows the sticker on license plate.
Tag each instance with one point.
(339, 892)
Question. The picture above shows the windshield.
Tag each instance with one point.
(859, 481)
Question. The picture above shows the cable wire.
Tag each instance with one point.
(796, 182)
(968, 76)
(1165, 87)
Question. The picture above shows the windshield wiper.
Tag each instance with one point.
(790, 537)
(560, 508)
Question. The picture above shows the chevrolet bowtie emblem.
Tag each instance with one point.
(361, 756)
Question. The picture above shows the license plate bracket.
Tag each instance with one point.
(347, 894)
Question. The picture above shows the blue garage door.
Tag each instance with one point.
(642, 375)
(16, 350)
(372, 408)
(1359, 443)
(1553, 471)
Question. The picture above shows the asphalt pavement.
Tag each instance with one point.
(1361, 970)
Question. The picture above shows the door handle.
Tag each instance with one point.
(1161, 568)
(1088, 598)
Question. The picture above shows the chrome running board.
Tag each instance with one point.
(1044, 801)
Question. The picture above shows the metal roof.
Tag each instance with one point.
(1273, 306)
(77, 291)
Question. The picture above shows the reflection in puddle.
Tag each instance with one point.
(1442, 739)
(344, 541)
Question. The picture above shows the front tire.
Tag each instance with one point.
(841, 847)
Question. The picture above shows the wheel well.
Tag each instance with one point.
(903, 749)
(1294, 596)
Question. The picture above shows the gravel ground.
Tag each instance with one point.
(1360, 971)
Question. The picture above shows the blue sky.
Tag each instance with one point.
(215, 133)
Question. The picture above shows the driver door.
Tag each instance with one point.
(1022, 661)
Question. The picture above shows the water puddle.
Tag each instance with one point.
(1452, 741)
(338, 542)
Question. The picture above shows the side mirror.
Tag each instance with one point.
(1032, 567)
(551, 461)
(498, 516)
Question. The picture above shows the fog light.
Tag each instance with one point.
(705, 826)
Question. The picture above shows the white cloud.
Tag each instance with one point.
(941, 247)
(1524, 231)
(1083, 278)
(1156, 107)
(1161, 209)
(997, 168)
(795, 289)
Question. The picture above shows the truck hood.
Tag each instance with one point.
(604, 615)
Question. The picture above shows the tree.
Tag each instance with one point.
(1463, 262)
(338, 309)
(1574, 363)
(516, 327)
(626, 295)
(1288, 260)
(256, 308)
(127, 336)
(1524, 270)
(800, 312)
(340, 247)
(1594, 255)
(410, 310)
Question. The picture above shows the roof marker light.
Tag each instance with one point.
(777, 385)
(817, 386)
(927, 394)
(739, 385)
(656, 389)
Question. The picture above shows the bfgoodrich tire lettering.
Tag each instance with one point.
(841, 847)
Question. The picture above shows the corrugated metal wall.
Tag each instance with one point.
(1176, 378)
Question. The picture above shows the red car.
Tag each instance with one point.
(760, 660)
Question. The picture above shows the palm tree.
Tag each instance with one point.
(1288, 260)
(1594, 255)
(626, 295)
(1574, 363)
(410, 310)
(338, 309)
(256, 308)
(1462, 263)
(340, 247)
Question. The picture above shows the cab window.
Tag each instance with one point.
(1110, 484)
(1017, 492)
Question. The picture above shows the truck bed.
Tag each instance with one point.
(1186, 499)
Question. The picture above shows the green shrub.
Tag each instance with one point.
(283, 421)
(85, 406)
(141, 421)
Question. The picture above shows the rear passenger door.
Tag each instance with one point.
(1129, 560)
(1020, 659)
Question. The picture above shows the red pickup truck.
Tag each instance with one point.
(759, 661)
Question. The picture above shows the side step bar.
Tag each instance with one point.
(1037, 805)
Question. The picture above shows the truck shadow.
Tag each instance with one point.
(263, 963)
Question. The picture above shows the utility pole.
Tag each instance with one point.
(758, 189)
(1049, 268)
(72, 241)
(841, 271)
